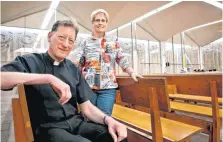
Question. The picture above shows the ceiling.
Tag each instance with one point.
(160, 26)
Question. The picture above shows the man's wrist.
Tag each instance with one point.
(104, 120)
(50, 78)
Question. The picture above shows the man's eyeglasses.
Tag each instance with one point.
(63, 38)
(98, 20)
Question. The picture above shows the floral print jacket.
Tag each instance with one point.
(97, 60)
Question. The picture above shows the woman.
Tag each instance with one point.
(97, 56)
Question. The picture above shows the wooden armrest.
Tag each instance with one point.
(19, 127)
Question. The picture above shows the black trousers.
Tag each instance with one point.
(74, 129)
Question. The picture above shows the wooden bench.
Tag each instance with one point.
(150, 124)
(172, 90)
(210, 128)
(192, 83)
(22, 125)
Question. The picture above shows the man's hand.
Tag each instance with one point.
(135, 75)
(62, 89)
(117, 130)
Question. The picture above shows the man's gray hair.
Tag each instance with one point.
(94, 13)
(66, 23)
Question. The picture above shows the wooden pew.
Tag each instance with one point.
(145, 93)
(192, 83)
(172, 90)
(22, 125)
(200, 110)
(165, 105)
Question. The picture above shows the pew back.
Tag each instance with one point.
(128, 88)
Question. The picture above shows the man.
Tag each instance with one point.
(53, 104)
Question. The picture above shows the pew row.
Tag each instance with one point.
(210, 128)
(192, 83)
(172, 90)
(173, 131)
(161, 129)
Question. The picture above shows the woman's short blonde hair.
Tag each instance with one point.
(94, 13)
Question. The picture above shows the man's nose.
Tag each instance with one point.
(66, 43)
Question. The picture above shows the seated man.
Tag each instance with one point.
(56, 87)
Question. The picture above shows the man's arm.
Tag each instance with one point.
(94, 114)
(11, 79)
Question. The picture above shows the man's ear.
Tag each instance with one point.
(49, 36)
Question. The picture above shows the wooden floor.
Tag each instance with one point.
(7, 129)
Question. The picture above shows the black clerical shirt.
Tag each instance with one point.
(42, 99)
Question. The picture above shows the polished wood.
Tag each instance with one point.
(136, 92)
(157, 133)
(192, 83)
(143, 93)
(172, 89)
(137, 136)
(172, 130)
(188, 108)
(22, 125)
(215, 111)
(25, 112)
(193, 98)
(19, 127)
(206, 125)
(191, 108)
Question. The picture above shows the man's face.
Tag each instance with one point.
(100, 23)
(61, 42)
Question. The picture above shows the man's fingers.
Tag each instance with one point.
(111, 131)
(66, 96)
(63, 96)
(121, 134)
(120, 138)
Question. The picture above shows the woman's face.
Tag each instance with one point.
(100, 23)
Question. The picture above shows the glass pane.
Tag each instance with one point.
(124, 37)
(191, 54)
(212, 56)
(168, 56)
(144, 41)
(19, 41)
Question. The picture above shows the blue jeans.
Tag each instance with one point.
(104, 100)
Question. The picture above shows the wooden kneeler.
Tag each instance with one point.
(22, 125)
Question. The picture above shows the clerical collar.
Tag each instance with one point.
(55, 63)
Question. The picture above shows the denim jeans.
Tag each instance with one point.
(104, 99)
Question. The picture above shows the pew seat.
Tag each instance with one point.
(174, 95)
(173, 131)
(193, 98)
(195, 109)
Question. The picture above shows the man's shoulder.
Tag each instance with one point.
(31, 56)
(71, 64)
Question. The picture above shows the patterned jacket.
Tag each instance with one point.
(97, 61)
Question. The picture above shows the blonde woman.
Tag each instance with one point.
(97, 56)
